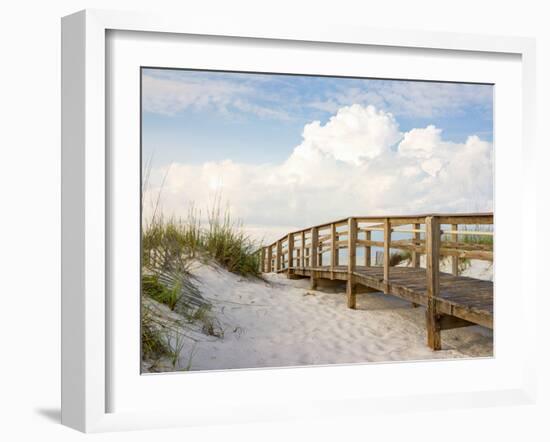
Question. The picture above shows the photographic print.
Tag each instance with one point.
(304, 220)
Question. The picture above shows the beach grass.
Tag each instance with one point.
(399, 256)
(173, 242)
(226, 243)
(151, 286)
(169, 247)
(153, 344)
(473, 238)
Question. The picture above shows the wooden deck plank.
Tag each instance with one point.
(466, 298)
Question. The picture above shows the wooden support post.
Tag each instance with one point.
(454, 259)
(278, 254)
(352, 245)
(333, 250)
(303, 254)
(368, 253)
(387, 244)
(433, 238)
(313, 257)
(290, 254)
(269, 259)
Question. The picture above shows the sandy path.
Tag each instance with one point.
(283, 323)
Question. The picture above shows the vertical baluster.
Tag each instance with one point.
(278, 253)
(290, 254)
(433, 238)
(303, 254)
(262, 260)
(415, 255)
(368, 252)
(320, 254)
(313, 256)
(333, 250)
(454, 259)
(352, 246)
(387, 244)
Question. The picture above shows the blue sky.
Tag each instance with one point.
(260, 117)
(277, 148)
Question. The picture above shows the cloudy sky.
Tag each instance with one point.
(289, 151)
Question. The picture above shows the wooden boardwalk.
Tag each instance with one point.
(451, 300)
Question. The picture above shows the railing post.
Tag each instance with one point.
(278, 256)
(270, 259)
(433, 238)
(415, 255)
(352, 246)
(290, 241)
(333, 249)
(314, 254)
(454, 259)
(387, 244)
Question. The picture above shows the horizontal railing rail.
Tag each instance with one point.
(296, 250)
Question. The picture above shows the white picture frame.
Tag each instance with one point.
(86, 203)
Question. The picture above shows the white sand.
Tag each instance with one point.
(474, 268)
(282, 323)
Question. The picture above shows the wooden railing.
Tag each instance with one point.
(309, 247)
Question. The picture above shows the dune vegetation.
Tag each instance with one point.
(169, 247)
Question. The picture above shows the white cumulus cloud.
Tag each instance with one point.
(354, 135)
(358, 163)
